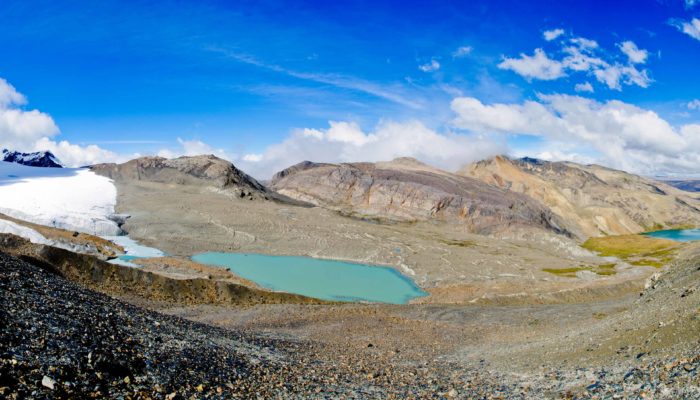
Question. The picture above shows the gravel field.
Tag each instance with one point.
(59, 340)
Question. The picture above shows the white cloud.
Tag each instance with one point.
(253, 157)
(691, 3)
(633, 53)
(583, 43)
(690, 28)
(462, 51)
(432, 66)
(192, 147)
(694, 105)
(538, 66)
(552, 34)
(74, 155)
(584, 87)
(347, 142)
(32, 130)
(623, 135)
(581, 55)
(615, 75)
(9, 96)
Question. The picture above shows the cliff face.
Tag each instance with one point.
(206, 170)
(591, 200)
(407, 190)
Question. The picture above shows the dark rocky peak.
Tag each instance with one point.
(44, 159)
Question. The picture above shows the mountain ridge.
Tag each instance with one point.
(592, 199)
(44, 159)
(406, 190)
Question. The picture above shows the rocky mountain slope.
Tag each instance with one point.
(407, 190)
(204, 170)
(591, 200)
(37, 159)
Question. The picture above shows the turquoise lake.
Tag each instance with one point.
(322, 279)
(679, 235)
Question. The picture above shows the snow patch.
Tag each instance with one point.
(23, 232)
(68, 198)
(37, 238)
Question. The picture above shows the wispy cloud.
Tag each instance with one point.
(690, 28)
(462, 51)
(388, 92)
(552, 34)
(431, 66)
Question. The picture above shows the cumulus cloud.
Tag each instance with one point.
(432, 66)
(583, 55)
(552, 34)
(584, 87)
(690, 28)
(347, 142)
(537, 66)
(694, 105)
(462, 51)
(32, 130)
(625, 136)
(193, 147)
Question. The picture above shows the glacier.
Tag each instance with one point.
(74, 199)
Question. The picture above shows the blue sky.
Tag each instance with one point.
(252, 80)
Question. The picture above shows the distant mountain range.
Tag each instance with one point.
(689, 185)
(495, 196)
(44, 159)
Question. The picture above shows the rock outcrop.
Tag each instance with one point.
(204, 170)
(590, 199)
(44, 159)
(406, 190)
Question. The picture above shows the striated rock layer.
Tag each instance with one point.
(407, 190)
(590, 199)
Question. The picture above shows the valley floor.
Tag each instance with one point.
(452, 265)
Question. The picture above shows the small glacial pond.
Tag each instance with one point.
(133, 250)
(322, 279)
(679, 235)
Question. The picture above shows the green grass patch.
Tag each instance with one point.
(603, 270)
(635, 249)
(459, 243)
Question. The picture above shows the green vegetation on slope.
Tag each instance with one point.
(603, 269)
(635, 249)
